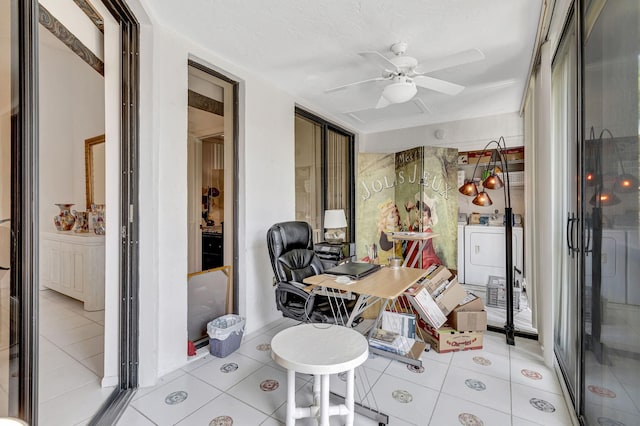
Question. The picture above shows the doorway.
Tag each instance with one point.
(212, 194)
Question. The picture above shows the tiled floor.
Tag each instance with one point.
(498, 385)
(71, 361)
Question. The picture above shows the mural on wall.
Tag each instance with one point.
(415, 191)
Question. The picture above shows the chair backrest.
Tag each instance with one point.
(291, 251)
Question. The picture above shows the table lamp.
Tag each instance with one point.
(335, 223)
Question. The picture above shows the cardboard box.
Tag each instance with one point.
(468, 321)
(425, 306)
(447, 339)
(449, 296)
(436, 274)
(471, 303)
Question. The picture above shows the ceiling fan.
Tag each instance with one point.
(406, 75)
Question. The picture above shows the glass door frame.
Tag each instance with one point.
(23, 401)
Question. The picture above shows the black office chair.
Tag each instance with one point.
(293, 259)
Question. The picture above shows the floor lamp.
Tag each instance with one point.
(493, 181)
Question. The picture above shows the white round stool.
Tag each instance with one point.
(321, 350)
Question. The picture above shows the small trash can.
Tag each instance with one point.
(225, 334)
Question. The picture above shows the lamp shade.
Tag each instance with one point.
(334, 219)
(493, 181)
(482, 199)
(469, 188)
(399, 92)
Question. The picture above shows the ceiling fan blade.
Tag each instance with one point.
(382, 102)
(344, 86)
(438, 85)
(379, 59)
(461, 58)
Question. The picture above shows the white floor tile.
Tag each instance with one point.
(365, 379)
(265, 389)
(377, 362)
(53, 359)
(479, 388)
(452, 411)
(225, 407)
(132, 417)
(545, 408)
(86, 348)
(224, 373)
(172, 402)
(258, 348)
(85, 401)
(405, 400)
(167, 378)
(482, 361)
(535, 374)
(67, 337)
(495, 343)
(431, 374)
(95, 364)
(56, 382)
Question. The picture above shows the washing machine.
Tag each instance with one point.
(484, 253)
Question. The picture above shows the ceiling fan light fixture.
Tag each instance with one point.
(399, 92)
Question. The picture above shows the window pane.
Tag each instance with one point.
(308, 165)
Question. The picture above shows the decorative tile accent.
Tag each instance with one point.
(601, 391)
(542, 405)
(476, 385)
(263, 347)
(530, 374)
(71, 41)
(606, 421)
(176, 397)
(229, 367)
(468, 419)
(402, 396)
(221, 421)
(269, 385)
(480, 360)
(415, 368)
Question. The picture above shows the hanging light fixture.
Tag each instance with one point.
(482, 199)
(493, 181)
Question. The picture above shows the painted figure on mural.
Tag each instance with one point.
(388, 221)
(421, 217)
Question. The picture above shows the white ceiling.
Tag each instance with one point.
(307, 46)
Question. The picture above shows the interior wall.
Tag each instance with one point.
(465, 135)
(71, 103)
(266, 192)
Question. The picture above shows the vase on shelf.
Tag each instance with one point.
(64, 220)
(82, 222)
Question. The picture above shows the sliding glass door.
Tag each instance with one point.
(610, 204)
(564, 89)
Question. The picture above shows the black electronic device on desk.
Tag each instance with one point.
(334, 254)
(355, 270)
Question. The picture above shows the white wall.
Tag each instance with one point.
(266, 192)
(71, 104)
(465, 135)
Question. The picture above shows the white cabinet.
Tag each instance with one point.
(73, 264)
(484, 253)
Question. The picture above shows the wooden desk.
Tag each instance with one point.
(422, 237)
(386, 284)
